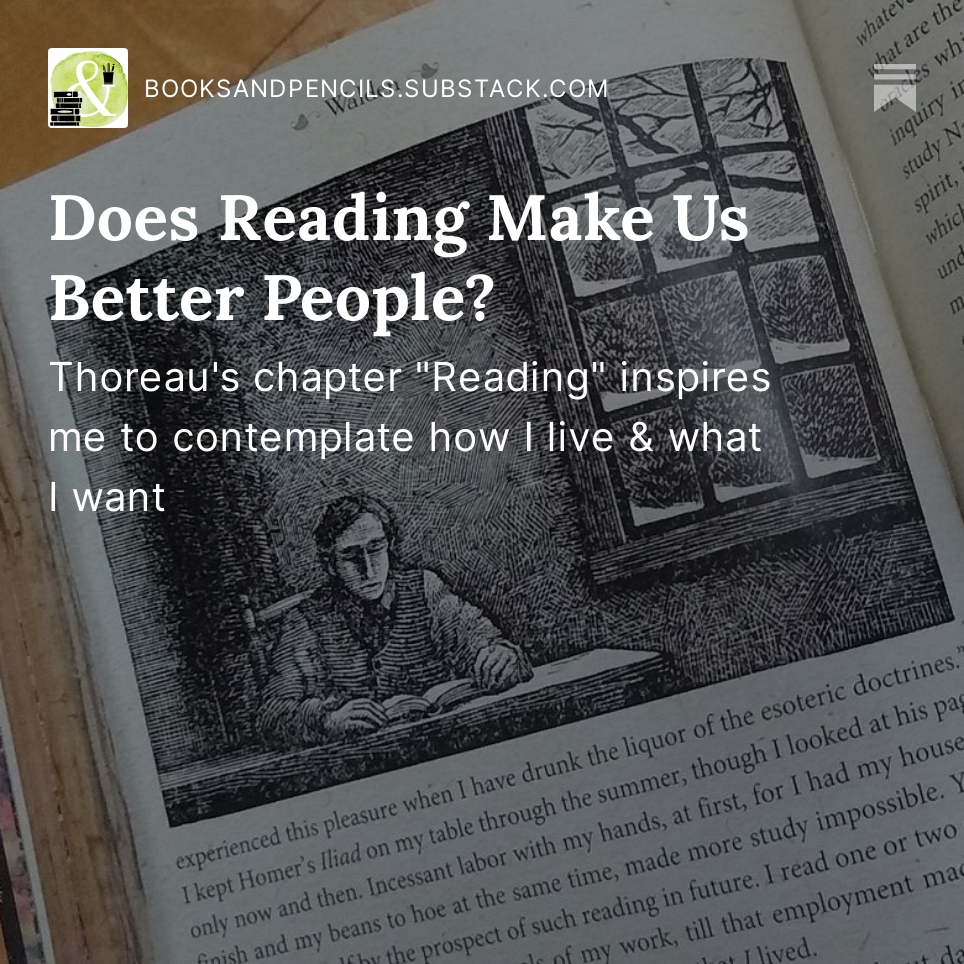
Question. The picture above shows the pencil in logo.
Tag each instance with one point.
(895, 82)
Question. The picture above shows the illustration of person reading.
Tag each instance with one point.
(376, 644)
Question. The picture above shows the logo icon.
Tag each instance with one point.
(87, 88)
(895, 82)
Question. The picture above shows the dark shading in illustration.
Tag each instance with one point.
(296, 623)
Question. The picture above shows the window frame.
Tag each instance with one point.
(881, 492)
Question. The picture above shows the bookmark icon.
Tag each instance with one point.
(895, 82)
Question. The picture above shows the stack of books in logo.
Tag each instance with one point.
(67, 111)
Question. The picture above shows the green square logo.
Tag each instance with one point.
(87, 87)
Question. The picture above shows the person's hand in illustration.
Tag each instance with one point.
(498, 668)
(356, 717)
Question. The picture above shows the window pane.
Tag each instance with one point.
(570, 141)
(709, 322)
(741, 101)
(715, 128)
(799, 309)
(654, 115)
(770, 187)
(596, 266)
(624, 331)
(737, 470)
(661, 483)
(670, 249)
(830, 419)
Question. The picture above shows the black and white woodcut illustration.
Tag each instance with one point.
(296, 623)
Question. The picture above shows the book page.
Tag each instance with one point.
(716, 614)
(908, 168)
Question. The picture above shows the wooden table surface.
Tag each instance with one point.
(76, 825)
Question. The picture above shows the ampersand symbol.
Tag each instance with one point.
(639, 442)
(83, 81)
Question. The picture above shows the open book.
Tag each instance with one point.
(692, 474)
(436, 699)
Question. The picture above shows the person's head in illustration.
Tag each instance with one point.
(356, 536)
